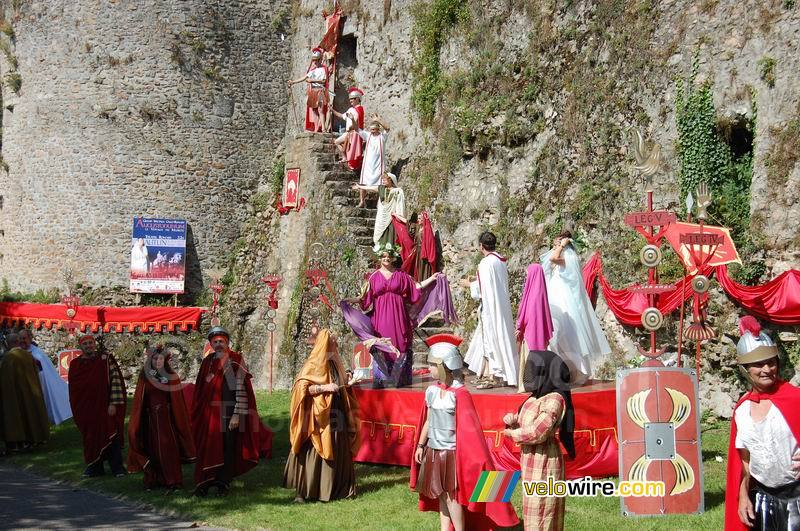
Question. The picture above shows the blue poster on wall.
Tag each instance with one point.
(158, 255)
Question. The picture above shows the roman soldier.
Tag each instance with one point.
(451, 451)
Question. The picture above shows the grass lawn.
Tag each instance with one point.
(384, 500)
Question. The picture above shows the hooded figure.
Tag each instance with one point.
(534, 326)
(23, 418)
(324, 430)
(577, 335)
(451, 450)
(762, 490)
(159, 431)
(534, 426)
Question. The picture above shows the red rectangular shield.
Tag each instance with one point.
(658, 423)
(65, 357)
(291, 187)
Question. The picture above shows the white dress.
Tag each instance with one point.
(577, 335)
(374, 162)
(494, 335)
(54, 388)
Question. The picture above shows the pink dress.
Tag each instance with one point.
(390, 299)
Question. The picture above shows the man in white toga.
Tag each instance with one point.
(492, 349)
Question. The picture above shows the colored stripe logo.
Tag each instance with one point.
(495, 487)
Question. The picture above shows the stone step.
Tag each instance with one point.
(364, 241)
(343, 175)
(347, 205)
(358, 230)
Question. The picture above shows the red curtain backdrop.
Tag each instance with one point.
(628, 306)
(777, 301)
(389, 420)
(96, 318)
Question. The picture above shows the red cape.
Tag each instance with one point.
(206, 415)
(787, 399)
(472, 458)
(89, 389)
(137, 454)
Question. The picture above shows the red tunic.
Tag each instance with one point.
(217, 376)
(159, 433)
(472, 458)
(89, 394)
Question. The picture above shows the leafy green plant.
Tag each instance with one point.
(432, 21)
(14, 81)
(702, 153)
(276, 177)
(7, 28)
(766, 70)
(705, 157)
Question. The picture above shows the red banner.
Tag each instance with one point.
(65, 357)
(96, 318)
(686, 240)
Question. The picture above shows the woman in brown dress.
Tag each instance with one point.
(158, 430)
(324, 429)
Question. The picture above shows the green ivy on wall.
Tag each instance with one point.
(705, 157)
(432, 21)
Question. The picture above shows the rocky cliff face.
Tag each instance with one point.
(517, 117)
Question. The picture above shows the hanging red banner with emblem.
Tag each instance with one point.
(658, 426)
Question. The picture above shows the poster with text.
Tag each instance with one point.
(158, 255)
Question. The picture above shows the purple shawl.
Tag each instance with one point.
(435, 299)
(534, 310)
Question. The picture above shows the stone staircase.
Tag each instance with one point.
(339, 179)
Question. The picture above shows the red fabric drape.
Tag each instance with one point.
(428, 251)
(777, 301)
(628, 306)
(389, 421)
(96, 318)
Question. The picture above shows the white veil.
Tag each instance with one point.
(577, 335)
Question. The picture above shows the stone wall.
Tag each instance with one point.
(160, 108)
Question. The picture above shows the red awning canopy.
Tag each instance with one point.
(96, 318)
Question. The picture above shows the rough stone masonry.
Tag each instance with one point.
(162, 108)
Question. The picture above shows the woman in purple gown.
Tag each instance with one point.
(389, 294)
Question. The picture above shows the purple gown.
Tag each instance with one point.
(390, 318)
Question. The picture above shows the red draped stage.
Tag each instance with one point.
(777, 301)
(95, 318)
(389, 418)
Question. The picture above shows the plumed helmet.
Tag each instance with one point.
(754, 345)
(354, 92)
(218, 331)
(444, 350)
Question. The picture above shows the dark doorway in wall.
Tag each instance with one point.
(737, 132)
(346, 63)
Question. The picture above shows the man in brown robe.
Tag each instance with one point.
(23, 417)
(97, 396)
(324, 430)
